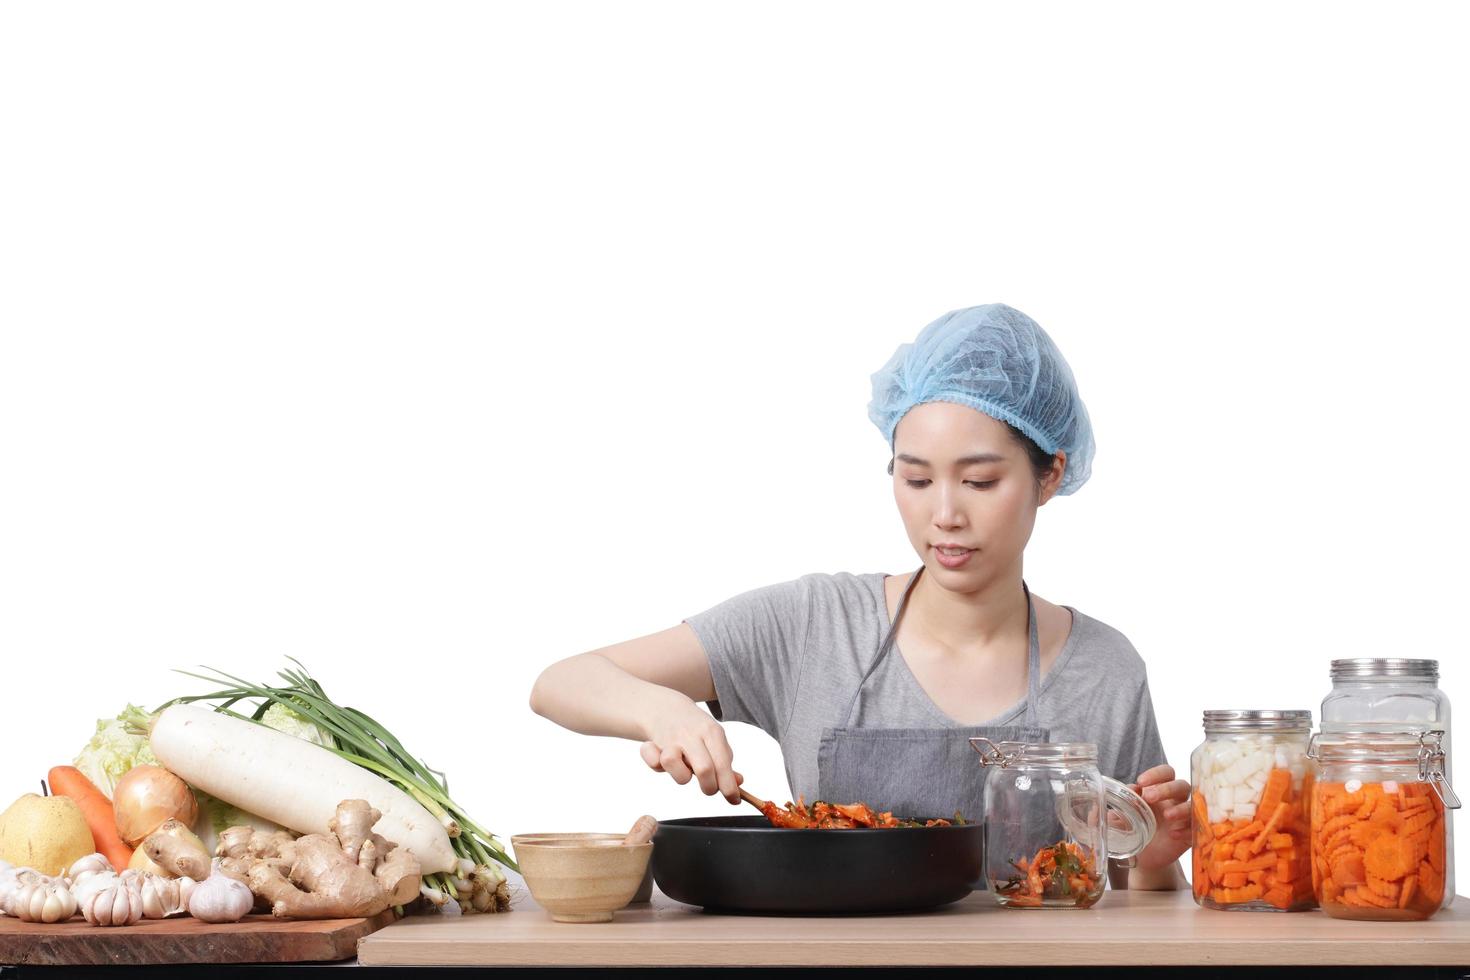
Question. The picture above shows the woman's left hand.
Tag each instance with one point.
(1169, 799)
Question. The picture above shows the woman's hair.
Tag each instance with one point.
(1039, 458)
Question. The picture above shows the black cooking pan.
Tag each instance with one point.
(743, 864)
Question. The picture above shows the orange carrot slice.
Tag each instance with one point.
(1411, 886)
(1277, 813)
(1278, 782)
(1348, 870)
(1389, 857)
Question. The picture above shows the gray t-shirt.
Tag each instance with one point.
(788, 657)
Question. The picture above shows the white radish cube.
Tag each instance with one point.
(1390, 786)
(1353, 785)
(1245, 811)
(1227, 756)
(1226, 797)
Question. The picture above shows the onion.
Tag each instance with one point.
(145, 797)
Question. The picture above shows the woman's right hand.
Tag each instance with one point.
(686, 743)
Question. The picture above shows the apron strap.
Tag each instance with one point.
(1033, 663)
(884, 647)
(1033, 655)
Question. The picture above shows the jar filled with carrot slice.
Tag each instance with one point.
(1252, 783)
(1378, 823)
(1398, 692)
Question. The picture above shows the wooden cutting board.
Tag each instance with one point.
(254, 939)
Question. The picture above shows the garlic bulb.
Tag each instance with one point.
(89, 865)
(107, 898)
(8, 876)
(220, 898)
(163, 897)
(34, 897)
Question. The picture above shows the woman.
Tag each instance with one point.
(872, 683)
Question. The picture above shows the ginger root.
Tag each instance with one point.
(175, 849)
(348, 872)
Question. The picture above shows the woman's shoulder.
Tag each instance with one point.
(845, 594)
(822, 592)
(1104, 647)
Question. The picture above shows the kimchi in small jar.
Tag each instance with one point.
(1378, 823)
(1052, 821)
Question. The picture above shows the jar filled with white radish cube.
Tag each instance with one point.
(1252, 785)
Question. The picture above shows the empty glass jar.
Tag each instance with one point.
(1052, 821)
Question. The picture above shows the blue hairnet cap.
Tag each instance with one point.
(999, 361)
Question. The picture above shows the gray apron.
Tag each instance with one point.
(919, 772)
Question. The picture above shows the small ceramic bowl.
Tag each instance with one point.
(645, 888)
(581, 878)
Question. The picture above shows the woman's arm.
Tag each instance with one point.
(646, 689)
(1157, 867)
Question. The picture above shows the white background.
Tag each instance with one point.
(431, 343)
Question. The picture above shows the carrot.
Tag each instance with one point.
(1287, 869)
(1202, 817)
(1279, 896)
(1241, 833)
(1436, 852)
(1348, 868)
(69, 781)
(1431, 884)
(1260, 859)
(1278, 784)
(1375, 851)
(1277, 814)
(1237, 896)
(1252, 864)
(1390, 857)
(1411, 885)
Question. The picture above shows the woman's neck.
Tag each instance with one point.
(971, 622)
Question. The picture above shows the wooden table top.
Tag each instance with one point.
(1145, 928)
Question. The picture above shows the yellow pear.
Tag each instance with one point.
(47, 833)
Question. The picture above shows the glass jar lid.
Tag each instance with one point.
(1384, 667)
(1257, 720)
(1131, 823)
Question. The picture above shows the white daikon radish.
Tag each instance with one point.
(289, 780)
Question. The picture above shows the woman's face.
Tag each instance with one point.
(961, 479)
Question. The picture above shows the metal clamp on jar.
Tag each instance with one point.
(1046, 839)
(1379, 818)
